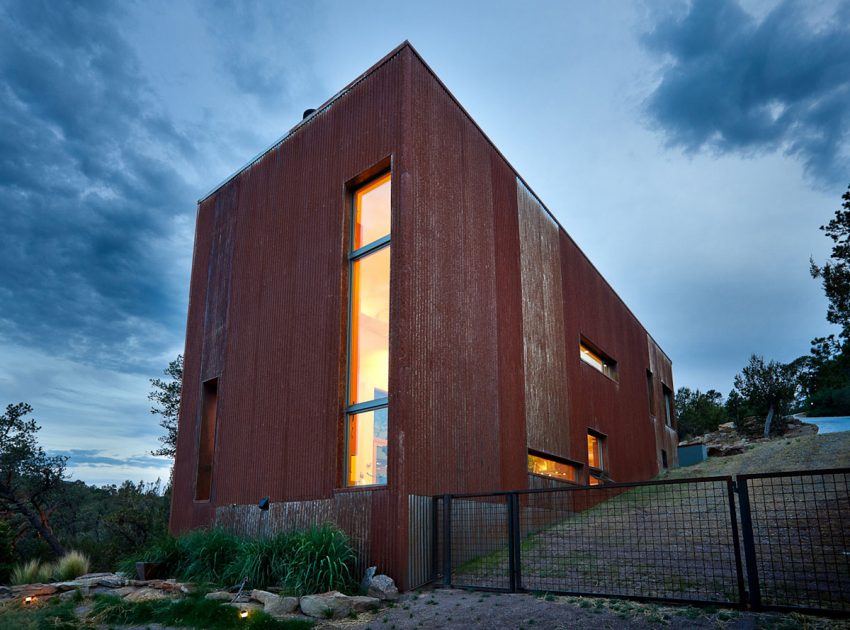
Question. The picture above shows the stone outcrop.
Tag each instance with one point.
(330, 605)
(383, 587)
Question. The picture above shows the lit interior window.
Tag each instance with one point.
(372, 212)
(594, 452)
(370, 326)
(596, 359)
(369, 336)
(550, 468)
(367, 448)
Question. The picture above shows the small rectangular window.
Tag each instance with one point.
(668, 406)
(540, 465)
(596, 458)
(206, 440)
(597, 359)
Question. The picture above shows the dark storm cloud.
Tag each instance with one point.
(86, 186)
(735, 84)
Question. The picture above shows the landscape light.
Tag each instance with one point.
(28, 599)
(244, 614)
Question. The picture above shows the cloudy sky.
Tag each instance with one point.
(717, 130)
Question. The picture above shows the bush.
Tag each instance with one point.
(304, 562)
(7, 552)
(72, 565)
(32, 572)
(320, 561)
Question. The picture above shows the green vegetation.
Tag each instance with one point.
(303, 562)
(31, 572)
(72, 565)
(698, 413)
(192, 611)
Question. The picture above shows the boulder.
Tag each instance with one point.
(367, 579)
(5, 591)
(383, 587)
(34, 590)
(262, 596)
(146, 594)
(281, 606)
(330, 605)
(220, 596)
(361, 603)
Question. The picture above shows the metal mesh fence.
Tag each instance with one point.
(778, 541)
(800, 539)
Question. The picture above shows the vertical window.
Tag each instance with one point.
(368, 336)
(206, 440)
(664, 459)
(650, 390)
(668, 406)
(596, 457)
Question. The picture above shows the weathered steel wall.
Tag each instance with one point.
(544, 348)
(488, 299)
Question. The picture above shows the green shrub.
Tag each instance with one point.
(304, 562)
(72, 565)
(32, 572)
(320, 560)
(7, 552)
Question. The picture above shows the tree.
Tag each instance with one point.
(835, 273)
(697, 412)
(766, 388)
(166, 395)
(28, 476)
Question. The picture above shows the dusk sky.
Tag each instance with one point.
(691, 149)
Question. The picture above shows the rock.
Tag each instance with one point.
(367, 579)
(146, 594)
(383, 587)
(220, 596)
(34, 590)
(726, 426)
(173, 586)
(361, 603)
(89, 576)
(262, 596)
(124, 591)
(281, 606)
(330, 605)
(5, 591)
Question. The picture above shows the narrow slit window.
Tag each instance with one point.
(540, 465)
(367, 396)
(597, 359)
(668, 406)
(206, 440)
(650, 390)
(596, 458)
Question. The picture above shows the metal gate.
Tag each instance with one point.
(778, 541)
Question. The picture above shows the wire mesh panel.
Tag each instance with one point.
(666, 540)
(801, 538)
(479, 541)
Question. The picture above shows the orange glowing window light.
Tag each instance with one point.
(594, 452)
(372, 216)
(550, 468)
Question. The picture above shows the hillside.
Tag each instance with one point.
(807, 452)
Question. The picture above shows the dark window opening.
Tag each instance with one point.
(664, 459)
(650, 388)
(668, 406)
(206, 440)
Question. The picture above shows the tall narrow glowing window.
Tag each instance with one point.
(596, 458)
(206, 440)
(368, 336)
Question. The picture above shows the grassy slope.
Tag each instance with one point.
(801, 453)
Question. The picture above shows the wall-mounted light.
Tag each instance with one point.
(263, 504)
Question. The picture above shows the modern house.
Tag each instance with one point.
(381, 310)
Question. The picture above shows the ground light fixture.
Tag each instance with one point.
(29, 599)
(243, 614)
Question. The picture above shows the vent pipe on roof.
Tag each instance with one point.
(308, 113)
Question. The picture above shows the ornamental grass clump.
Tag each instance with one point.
(320, 560)
(72, 565)
(32, 572)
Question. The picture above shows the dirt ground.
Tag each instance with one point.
(478, 610)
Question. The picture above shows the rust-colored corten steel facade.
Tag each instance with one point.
(490, 301)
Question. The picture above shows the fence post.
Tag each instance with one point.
(447, 540)
(435, 537)
(736, 544)
(514, 548)
(749, 544)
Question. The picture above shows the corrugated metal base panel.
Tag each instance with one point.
(350, 511)
(420, 540)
